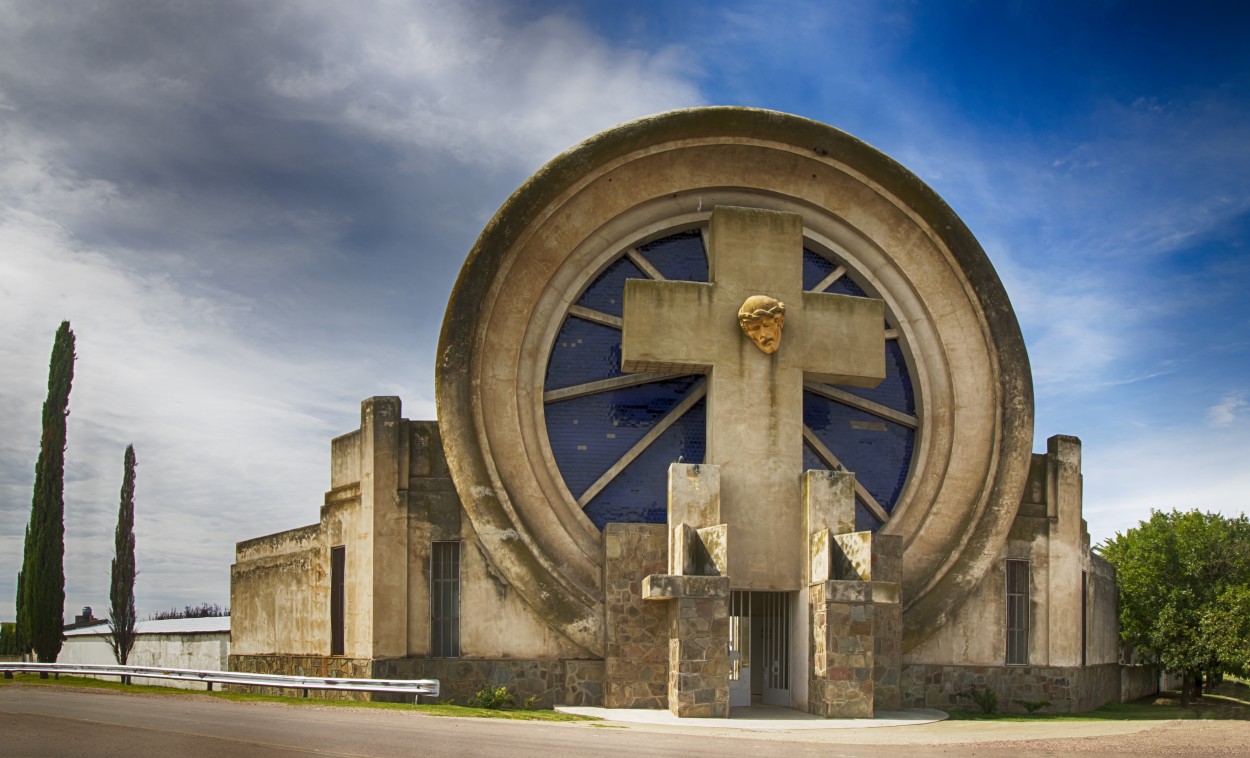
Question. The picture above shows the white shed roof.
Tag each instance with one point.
(164, 626)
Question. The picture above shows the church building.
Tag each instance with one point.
(732, 409)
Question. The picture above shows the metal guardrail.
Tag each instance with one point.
(415, 687)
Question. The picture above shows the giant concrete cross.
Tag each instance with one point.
(755, 399)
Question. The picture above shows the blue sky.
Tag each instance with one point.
(253, 213)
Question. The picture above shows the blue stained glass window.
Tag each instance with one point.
(589, 434)
(605, 293)
(877, 450)
(815, 268)
(895, 391)
(678, 256)
(584, 352)
(633, 497)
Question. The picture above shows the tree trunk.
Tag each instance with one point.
(1187, 688)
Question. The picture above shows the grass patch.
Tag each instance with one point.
(1229, 700)
(429, 709)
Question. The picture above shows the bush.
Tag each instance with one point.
(492, 698)
(986, 699)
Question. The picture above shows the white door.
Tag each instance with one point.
(740, 649)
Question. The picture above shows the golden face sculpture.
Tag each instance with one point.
(762, 318)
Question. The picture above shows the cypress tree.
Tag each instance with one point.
(122, 584)
(20, 628)
(43, 570)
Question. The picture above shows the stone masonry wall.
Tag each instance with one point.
(842, 652)
(549, 682)
(698, 679)
(1067, 689)
(335, 667)
(636, 649)
(887, 656)
(887, 566)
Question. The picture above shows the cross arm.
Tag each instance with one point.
(670, 326)
(842, 339)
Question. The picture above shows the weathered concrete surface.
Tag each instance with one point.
(688, 326)
(638, 180)
(1057, 549)
(391, 498)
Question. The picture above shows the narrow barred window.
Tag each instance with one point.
(445, 600)
(338, 567)
(1017, 613)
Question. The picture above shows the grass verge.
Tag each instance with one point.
(1230, 700)
(429, 709)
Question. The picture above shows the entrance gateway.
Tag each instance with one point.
(759, 648)
(730, 406)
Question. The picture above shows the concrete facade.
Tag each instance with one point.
(906, 612)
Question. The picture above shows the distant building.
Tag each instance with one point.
(194, 643)
(85, 619)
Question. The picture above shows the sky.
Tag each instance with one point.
(253, 214)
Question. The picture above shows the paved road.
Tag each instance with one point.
(37, 721)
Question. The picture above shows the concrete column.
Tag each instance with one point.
(384, 509)
(1066, 550)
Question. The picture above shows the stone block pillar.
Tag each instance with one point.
(843, 650)
(697, 592)
(887, 569)
(698, 618)
(855, 616)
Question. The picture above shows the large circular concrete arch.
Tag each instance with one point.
(634, 182)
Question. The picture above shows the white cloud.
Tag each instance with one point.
(1225, 412)
(230, 435)
(1165, 469)
(489, 89)
(225, 324)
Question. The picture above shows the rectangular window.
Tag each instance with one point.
(338, 567)
(1084, 618)
(445, 600)
(1017, 613)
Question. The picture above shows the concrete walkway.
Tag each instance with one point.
(757, 718)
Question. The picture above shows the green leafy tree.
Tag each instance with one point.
(1227, 626)
(122, 578)
(1173, 572)
(43, 565)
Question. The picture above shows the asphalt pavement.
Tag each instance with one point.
(60, 721)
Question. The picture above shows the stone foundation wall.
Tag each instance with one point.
(335, 667)
(1138, 681)
(551, 682)
(636, 649)
(887, 655)
(1067, 689)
